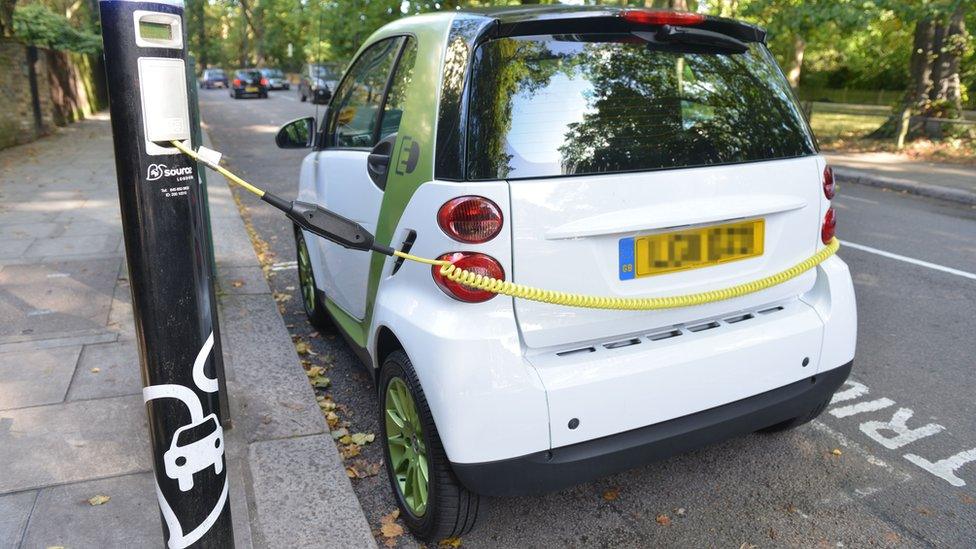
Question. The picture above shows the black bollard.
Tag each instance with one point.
(169, 260)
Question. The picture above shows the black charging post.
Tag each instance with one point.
(169, 261)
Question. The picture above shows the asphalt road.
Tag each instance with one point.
(843, 480)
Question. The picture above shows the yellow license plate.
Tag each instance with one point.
(690, 249)
(251, 90)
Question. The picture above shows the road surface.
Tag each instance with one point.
(892, 462)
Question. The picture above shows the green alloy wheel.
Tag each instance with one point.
(314, 308)
(408, 452)
(433, 503)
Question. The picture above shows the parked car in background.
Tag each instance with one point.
(249, 82)
(213, 78)
(276, 79)
(318, 82)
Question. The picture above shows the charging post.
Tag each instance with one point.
(169, 261)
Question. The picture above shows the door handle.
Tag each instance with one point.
(378, 160)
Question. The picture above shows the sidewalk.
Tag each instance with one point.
(72, 421)
(892, 171)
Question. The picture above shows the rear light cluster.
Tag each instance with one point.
(472, 220)
(264, 81)
(829, 227)
(659, 17)
(482, 264)
(237, 82)
(828, 183)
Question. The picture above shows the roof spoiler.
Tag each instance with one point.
(625, 20)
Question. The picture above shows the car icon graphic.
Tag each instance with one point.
(194, 448)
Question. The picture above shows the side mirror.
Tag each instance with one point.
(297, 134)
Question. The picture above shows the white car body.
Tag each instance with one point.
(505, 378)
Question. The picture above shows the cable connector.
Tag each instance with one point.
(329, 225)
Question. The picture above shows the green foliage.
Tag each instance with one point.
(38, 25)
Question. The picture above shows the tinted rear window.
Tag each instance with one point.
(571, 105)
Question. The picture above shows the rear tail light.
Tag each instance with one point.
(828, 183)
(237, 82)
(658, 17)
(471, 219)
(264, 81)
(482, 264)
(829, 226)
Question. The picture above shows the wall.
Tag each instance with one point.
(66, 87)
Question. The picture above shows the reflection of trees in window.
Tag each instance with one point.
(505, 68)
(657, 109)
(396, 97)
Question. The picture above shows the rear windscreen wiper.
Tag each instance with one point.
(700, 37)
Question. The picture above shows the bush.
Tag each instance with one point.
(38, 25)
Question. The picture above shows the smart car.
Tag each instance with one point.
(602, 151)
(249, 82)
(195, 447)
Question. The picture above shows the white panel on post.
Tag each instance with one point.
(165, 112)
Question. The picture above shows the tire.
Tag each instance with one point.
(799, 420)
(443, 508)
(263, 95)
(312, 303)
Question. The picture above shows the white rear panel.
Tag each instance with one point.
(566, 230)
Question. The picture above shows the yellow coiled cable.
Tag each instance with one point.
(504, 287)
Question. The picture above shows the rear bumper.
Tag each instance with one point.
(547, 471)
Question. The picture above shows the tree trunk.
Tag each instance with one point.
(799, 47)
(202, 57)
(7, 17)
(920, 66)
(945, 89)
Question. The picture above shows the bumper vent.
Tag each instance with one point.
(673, 332)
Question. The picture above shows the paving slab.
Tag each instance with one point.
(15, 509)
(62, 516)
(242, 280)
(275, 398)
(33, 378)
(14, 247)
(117, 372)
(74, 245)
(29, 230)
(303, 496)
(57, 444)
(53, 298)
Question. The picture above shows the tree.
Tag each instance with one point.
(7, 17)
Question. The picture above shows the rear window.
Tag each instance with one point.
(585, 104)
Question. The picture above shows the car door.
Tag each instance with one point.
(360, 122)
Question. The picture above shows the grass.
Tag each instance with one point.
(846, 132)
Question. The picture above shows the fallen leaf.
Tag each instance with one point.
(363, 438)
(313, 334)
(280, 297)
(391, 530)
(390, 517)
(390, 542)
(663, 520)
(349, 451)
(332, 419)
(611, 494)
(351, 472)
(967, 499)
(364, 469)
(320, 382)
(96, 370)
(924, 511)
(339, 433)
(314, 371)
(747, 545)
(345, 440)
(680, 511)
(237, 283)
(98, 500)
(302, 347)
(836, 452)
(453, 543)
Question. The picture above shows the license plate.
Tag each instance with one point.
(690, 248)
(251, 90)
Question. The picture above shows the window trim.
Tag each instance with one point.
(327, 136)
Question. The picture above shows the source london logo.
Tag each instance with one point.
(157, 171)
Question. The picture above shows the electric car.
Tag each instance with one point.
(600, 151)
(276, 79)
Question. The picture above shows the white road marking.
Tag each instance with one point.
(899, 426)
(856, 390)
(912, 260)
(862, 407)
(847, 197)
(945, 468)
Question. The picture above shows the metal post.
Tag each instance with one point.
(168, 256)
